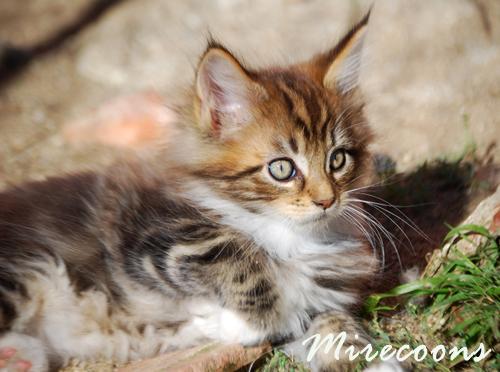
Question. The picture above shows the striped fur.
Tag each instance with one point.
(202, 244)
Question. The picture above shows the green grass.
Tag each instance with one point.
(280, 362)
(459, 306)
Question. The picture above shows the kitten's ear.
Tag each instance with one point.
(226, 92)
(341, 65)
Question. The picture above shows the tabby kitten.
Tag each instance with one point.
(237, 235)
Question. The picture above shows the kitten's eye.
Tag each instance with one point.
(281, 169)
(337, 159)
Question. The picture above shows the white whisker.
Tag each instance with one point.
(387, 214)
(407, 221)
(369, 218)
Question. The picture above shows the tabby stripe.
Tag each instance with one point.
(196, 232)
(154, 244)
(325, 125)
(303, 126)
(231, 177)
(293, 145)
(261, 288)
(299, 122)
(288, 101)
(9, 283)
(7, 314)
(331, 283)
(219, 252)
(313, 109)
(254, 198)
(262, 304)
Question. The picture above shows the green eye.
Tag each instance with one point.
(281, 169)
(337, 159)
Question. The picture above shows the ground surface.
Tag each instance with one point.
(430, 67)
(430, 72)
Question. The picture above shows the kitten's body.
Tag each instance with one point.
(206, 244)
(132, 270)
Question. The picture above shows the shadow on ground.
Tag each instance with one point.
(418, 207)
(14, 59)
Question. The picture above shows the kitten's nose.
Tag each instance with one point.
(325, 204)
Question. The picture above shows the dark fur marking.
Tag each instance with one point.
(217, 253)
(7, 314)
(293, 145)
(196, 231)
(301, 125)
(240, 278)
(257, 304)
(331, 283)
(325, 125)
(297, 120)
(261, 288)
(313, 109)
(288, 101)
(254, 198)
(9, 282)
(145, 232)
(230, 177)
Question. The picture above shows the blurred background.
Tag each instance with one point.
(77, 78)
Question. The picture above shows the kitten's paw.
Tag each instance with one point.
(21, 353)
(227, 326)
(235, 329)
(391, 365)
(10, 361)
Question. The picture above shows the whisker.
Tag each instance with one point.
(387, 214)
(405, 220)
(380, 227)
(374, 235)
(394, 205)
(373, 185)
(374, 232)
(352, 219)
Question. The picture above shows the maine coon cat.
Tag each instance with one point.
(238, 233)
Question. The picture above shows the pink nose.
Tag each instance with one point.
(325, 204)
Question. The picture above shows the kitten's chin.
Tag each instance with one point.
(312, 219)
(320, 217)
(327, 221)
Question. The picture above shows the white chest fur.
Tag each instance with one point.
(297, 256)
(299, 294)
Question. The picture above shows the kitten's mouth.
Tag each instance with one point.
(314, 218)
(322, 216)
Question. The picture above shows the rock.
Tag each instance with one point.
(36, 20)
(487, 213)
(209, 357)
(133, 121)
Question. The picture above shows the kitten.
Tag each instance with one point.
(237, 234)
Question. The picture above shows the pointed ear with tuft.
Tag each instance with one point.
(341, 65)
(226, 93)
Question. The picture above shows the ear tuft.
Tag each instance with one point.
(225, 91)
(344, 61)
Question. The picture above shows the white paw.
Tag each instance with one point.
(296, 351)
(22, 353)
(227, 326)
(391, 365)
(235, 329)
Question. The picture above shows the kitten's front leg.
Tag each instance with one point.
(332, 337)
(22, 353)
(227, 325)
(242, 305)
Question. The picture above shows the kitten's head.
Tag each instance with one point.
(286, 142)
